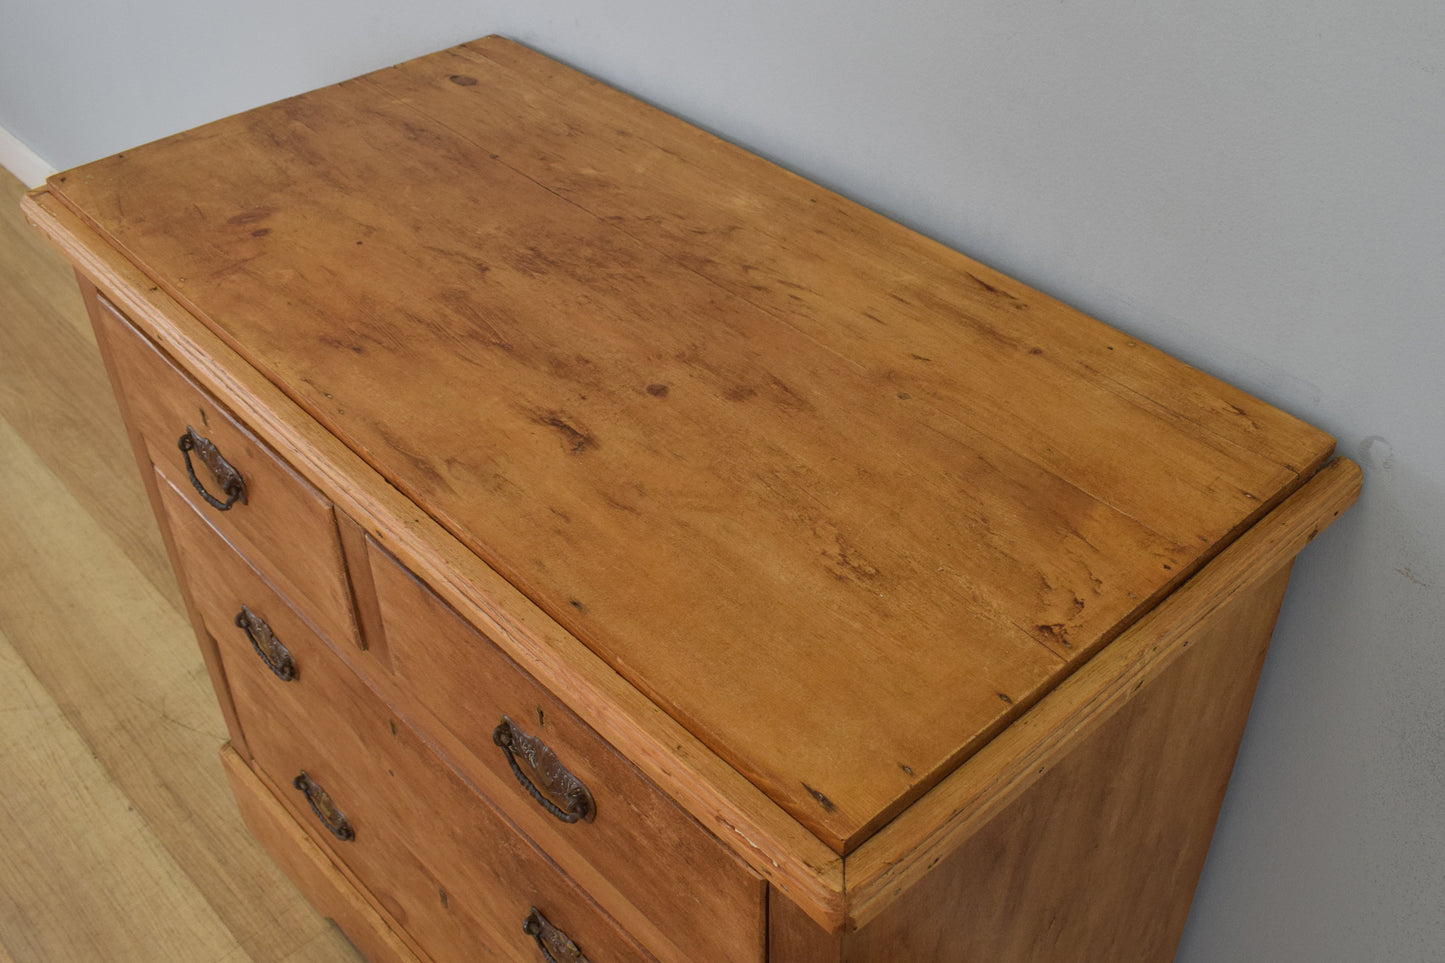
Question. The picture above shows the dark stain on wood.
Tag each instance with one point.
(470, 261)
(1056, 632)
(417, 461)
(988, 287)
(844, 560)
(786, 397)
(823, 800)
(576, 440)
(331, 341)
(618, 504)
(253, 216)
(534, 262)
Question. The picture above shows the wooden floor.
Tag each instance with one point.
(118, 837)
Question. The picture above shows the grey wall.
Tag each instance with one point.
(1256, 187)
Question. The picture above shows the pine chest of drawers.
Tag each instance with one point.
(606, 545)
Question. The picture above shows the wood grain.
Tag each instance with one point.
(865, 286)
(462, 880)
(123, 665)
(964, 803)
(280, 508)
(363, 592)
(53, 391)
(101, 317)
(920, 493)
(773, 844)
(794, 936)
(701, 898)
(1108, 787)
(88, 602)
(1125, 818)
(852, 546)
(685, 189)
(82, 875)
(305, 863)
(642, 857)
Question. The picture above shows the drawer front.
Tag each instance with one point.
(275, 515)
(662, 861)
(438, 858)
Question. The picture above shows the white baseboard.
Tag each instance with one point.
(21, 161)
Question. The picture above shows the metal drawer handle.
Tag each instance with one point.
(553, 943)
(223, 475)
(325, 810)
(560, 793)
(276, 656)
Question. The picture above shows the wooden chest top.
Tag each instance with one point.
(841, 501)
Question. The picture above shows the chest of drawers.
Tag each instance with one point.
(608, 546)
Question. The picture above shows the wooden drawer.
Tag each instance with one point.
(330, 891)
(708, 904)
(280, 521)
(433, 855)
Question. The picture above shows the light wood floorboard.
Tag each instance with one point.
(118, 836)
(78, 858)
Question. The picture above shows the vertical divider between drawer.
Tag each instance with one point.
(363, 588)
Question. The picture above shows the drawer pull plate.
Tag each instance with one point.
(223, 475)
(276, 656)
(331, 817)
(554, 944)
(546, 779)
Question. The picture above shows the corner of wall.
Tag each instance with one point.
(21, 161)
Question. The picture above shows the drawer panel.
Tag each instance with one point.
(661, 860)
(329, 891)
(280, 521)
(437, 857)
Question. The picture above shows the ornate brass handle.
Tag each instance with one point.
(554, 944)
(331, 817)
(276, 656)
(223, 475)
(547, 780)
